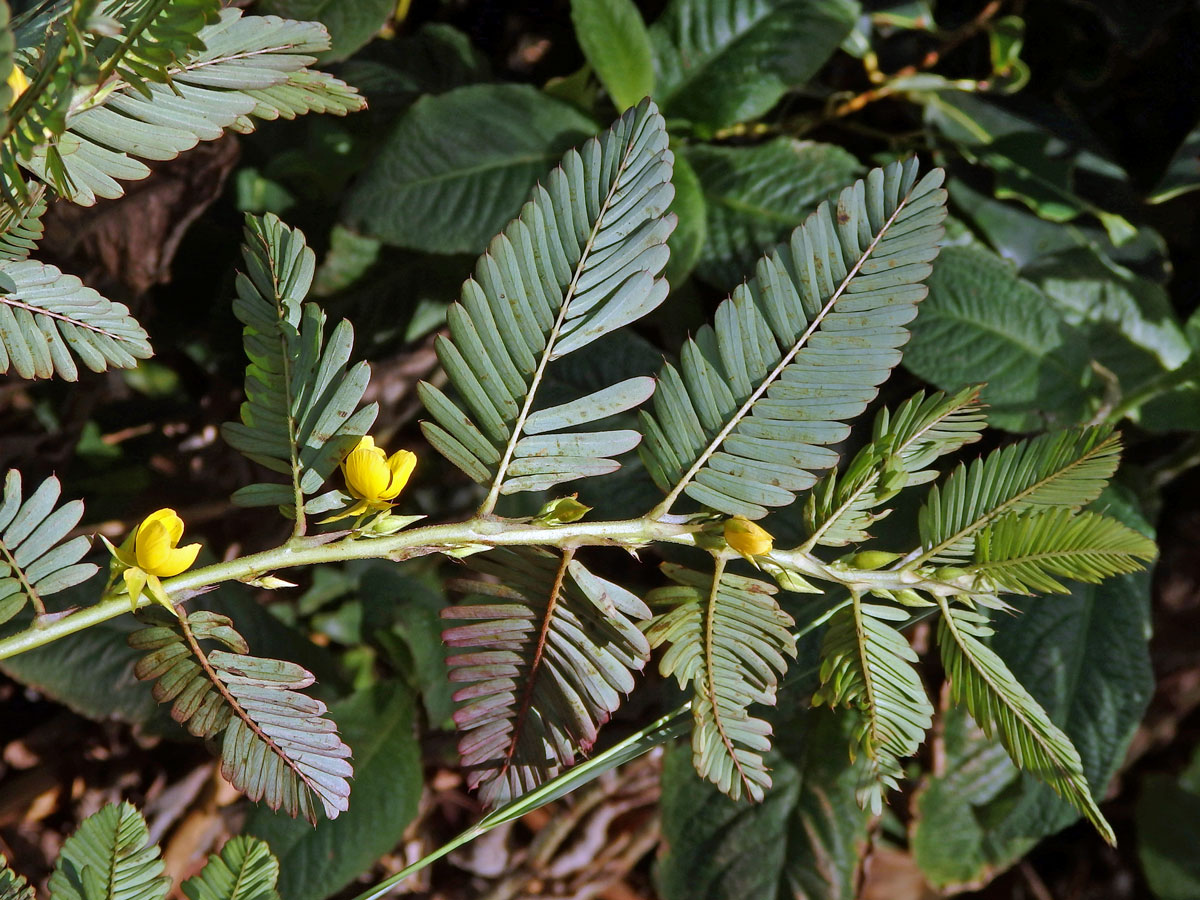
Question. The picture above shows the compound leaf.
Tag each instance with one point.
(300, 417)
(245, 869)
(729, 642)
(580, 261)
(110, 857)
(1066, 469)
(276, 743)
(36, 556)
(48, 319)
(544, 656)
(867, 664)
(746, 419)
(1002, 706)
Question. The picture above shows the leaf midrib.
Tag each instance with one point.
(1006, 505)
(551, 339)
(1018, 713)
(771, 377)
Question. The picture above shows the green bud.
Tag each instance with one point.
(909, 597)
(950, 573)
(791, 581)
(562, 511)
(870, 559)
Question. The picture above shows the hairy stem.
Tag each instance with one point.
(474, 533)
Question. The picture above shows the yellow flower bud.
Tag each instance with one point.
(747, 538)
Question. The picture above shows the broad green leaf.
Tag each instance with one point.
(1182, 173)
(316, 862)
(982, 323)
(351, 23)
(1128, 321)
(1084, 657)
(1022, 238)
(756, 195)
(403, 614)
(716, 848)
(1168, 833)
(719, 62)
(804, 841)
(616, 44)
(434, 59)
(1030, 164)
(110, 857)
(458, 165)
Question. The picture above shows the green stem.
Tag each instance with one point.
(1167, 381)
(474, 534)
(481, 533)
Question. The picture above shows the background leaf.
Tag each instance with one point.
(317, 861)
(458, 165)
(1168, 830)
(719, 62)
(615, 43)
(756, 195)
(803, 841)
(982, 323)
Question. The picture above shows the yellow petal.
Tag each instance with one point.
(747, 538)
(135, 581)
(18, 82)
(153, 545)
(178, 560)
(169, 520)
(367, 474)
(401, 465)
(155, 589)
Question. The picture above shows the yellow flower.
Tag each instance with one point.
(18, 82)
(747, 538)
(152, 552)
(374, 478)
